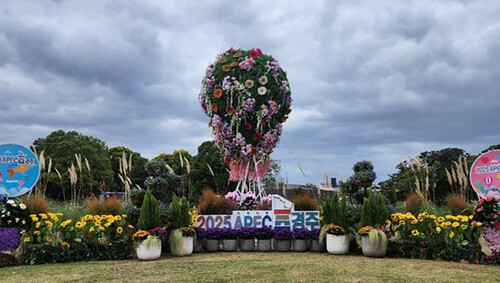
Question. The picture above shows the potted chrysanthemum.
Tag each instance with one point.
(212, 239)
(229, 239)
(264, 236)
(247, 239)
(300, 239)
(149, 243)
(337, 242)
(373, 241)
(283, 239)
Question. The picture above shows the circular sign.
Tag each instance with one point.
(485, 174)
(19, 170)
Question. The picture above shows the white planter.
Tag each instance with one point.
(337, 245)
(370, 250)
(149, 252)
(184, 248)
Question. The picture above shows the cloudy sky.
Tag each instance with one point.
(375, 80)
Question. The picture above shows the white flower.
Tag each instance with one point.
(262, 90)
(263, 80)
(249, 83)
(11, 202)
(22, 206)
(8, 213)
(17, 219)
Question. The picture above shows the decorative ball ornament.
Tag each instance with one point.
(247, 96)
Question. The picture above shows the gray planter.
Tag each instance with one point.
(264, 245)
(299, 245)
(211, 245)
(283, 245)
(198, 246)
(317, 247)
(230, 245)
(247, 245)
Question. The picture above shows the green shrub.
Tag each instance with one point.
(150, 213)
(335, 213)
(179, 213)
(374, 212)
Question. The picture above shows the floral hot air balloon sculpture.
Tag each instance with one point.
(246, 94)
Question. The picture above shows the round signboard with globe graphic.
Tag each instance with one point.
(19, 170)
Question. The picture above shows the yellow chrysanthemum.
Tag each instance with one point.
(119, 230)
(470, 217)
(421, 219)
(440, 219)
(27, 239)
(479, 224)
(37, 232)
(402, 217)
(130, 226)
(48, 239)
(124, 216)
(96, 218)
(452, 234)
(35, 219)
(409, 215)
(101, 228)
(438, 229)
(43, 216)
(401, 222)
(66, 223)
(91, 229)
(52, 215)
(117, 218)
(48, 223)
(65, 245)
(448, 223)
(449, 217)
(415, 221)
(394, 228)
(464, 227)
(59, 214)
(388, 221)
(443, 225)
(107, 225)
(432, 216)
(37, 225)
(80, 224)
(455, 224)
(415, 233)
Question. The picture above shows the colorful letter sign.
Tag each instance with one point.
(19, 170)
(485, 174)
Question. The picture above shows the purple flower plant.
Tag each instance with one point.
(315, 233)
(200, 233)
(283, 234)
(301, 233)
(246, 232)
(213, 234)
(9, 239)
(158, 232)
(263, 233)
(228, 233)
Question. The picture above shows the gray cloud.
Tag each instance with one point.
(370, 80)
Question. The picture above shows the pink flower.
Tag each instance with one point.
(255, 53)
(480, 202)
(248, 126)
(488, 199)
(479, 209)
(257, 136)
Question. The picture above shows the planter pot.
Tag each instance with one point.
(184, 248)
(370, 250)
(264, 245)
(365, 184)
(211, 245)
(136, 201)
(151, 252)
(283, 245)
(247, 245)
(337, 245)
(230, 245)
(317, 247)
(299, 245)
(198, 246)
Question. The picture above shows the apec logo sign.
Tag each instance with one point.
(485, 174)
(19, 170)
(282, 216)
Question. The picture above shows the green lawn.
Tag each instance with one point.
(257, 267)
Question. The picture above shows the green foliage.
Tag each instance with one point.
(335, 213)
(179, 213)
(374, 212)
(89, 251)
(150, 213)
(61, 147)
(377, 238)
(201, 177)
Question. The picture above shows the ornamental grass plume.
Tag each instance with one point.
(209, 203)
(304, 201)
(36, 203)
(459, 205)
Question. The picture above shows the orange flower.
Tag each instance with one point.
(222, 60)
(214, 107)
(226, 68)
(230, 110)
(218, 92)
(233, 64)
(237, 54)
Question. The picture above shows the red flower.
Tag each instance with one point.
(227, 159)
(214, 107)
(255, 53)
(254, 151)
(248, 126)
(257, 136)
(480, 202)
(288, 111)
(218, 92)
(264, 122)
(497, 226)
(230, 110)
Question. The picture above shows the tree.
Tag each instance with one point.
(137, 175)
(209, 170)
(491, 147)
(273, 174)
(62, 147)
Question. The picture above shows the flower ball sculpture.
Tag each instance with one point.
(247, 96)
